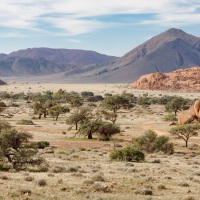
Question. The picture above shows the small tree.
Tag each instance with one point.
(185, 131)
(176, 104)
(111, 116)
(15, 147)
(104, 129)
(79, 117)
(41, 108)
(75, 101)
(116, 102)
(38, 109)
(56, 110)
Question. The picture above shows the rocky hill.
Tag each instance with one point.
(169, 51)
(2, 82)
(64, 56)
(44, 61)
(179, 80)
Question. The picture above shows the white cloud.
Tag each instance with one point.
(75, 26)
(12, 35)
(74, 41)
(76, 17)
(174, 19)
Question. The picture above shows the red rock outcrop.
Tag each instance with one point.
(187, 116)
(182, 79)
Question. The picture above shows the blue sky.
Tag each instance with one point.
(113, 27)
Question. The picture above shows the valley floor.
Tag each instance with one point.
(80, 169)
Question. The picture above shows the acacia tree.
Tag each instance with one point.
(75, 101)
(15, 147)
(116, 102)
(185, 131)
(56, 110)
(41, 108)
(111, 116)
(176, 104)
(79, 117)
(104, 129)
(60, 94)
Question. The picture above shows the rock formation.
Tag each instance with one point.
(193, 113)
(182, 79)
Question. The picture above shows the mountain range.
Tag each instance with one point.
(171, 50)
(44, 61)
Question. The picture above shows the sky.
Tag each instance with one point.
(111, 27)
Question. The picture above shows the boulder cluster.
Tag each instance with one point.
(179, 80)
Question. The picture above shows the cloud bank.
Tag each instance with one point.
(77, 17)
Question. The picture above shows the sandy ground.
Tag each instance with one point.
(72, 164)
(99, 89)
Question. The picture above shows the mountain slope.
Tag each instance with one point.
(2, 82)
(171, 50)
(15, 66)
(45, 61)
(63, 56)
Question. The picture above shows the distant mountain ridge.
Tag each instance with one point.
(44, 61)
(64, 56)
(171, 50)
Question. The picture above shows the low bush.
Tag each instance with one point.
(25, 122)
(170, 118)
(42, 144)
(128, 154)
(150, 143)
(98, 177)
(2, 104)
(42, 183)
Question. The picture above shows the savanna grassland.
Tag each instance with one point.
(80, 168)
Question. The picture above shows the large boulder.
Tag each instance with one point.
(188, 116)
(197, 108)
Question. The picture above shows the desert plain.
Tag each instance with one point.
(80, 169)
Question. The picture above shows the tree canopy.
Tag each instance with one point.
(116, 102)
(185, 131)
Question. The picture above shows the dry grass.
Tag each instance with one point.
(79, 169)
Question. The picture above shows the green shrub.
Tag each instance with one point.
(1, 167)
(107, 95)
(94, 98)
(170, 118)
(42, 144)
(144, 101)
(87, 94)
(128, 154)
(42, 183)
(25, 122)
(150, 143)
(4, 95)
(2, 104)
